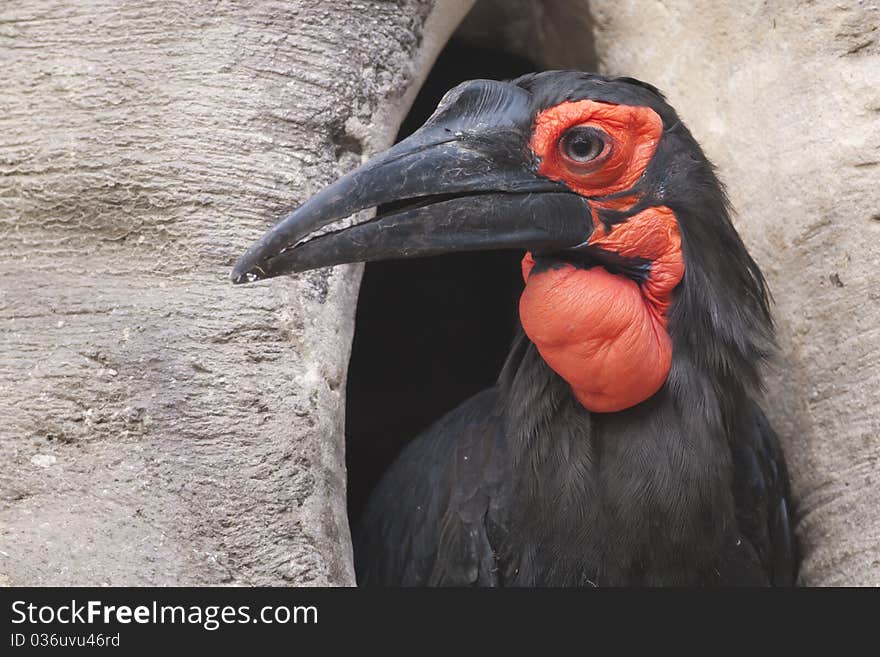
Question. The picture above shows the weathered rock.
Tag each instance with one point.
(196, 428)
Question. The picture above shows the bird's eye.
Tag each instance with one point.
(582, 144)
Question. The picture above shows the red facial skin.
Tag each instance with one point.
(604, 333)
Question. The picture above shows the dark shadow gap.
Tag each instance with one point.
(429, 332)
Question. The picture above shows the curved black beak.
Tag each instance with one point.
(464, 181)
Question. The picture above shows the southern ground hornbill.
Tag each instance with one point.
(622, 443)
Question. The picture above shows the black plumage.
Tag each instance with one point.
(521, 485)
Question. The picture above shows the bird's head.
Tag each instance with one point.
(631, 254)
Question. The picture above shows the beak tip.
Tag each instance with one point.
(239, 276)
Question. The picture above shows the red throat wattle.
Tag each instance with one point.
(604, 333)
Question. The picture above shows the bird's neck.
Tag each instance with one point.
(602, 332)
(570, 467)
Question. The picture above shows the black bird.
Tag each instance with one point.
(622, 443)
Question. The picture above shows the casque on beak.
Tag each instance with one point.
(465, 181)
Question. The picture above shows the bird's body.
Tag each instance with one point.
(623, 443)
(522, 486)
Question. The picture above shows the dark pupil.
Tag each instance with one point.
(583, 146)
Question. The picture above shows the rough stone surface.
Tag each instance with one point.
(157, 425)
